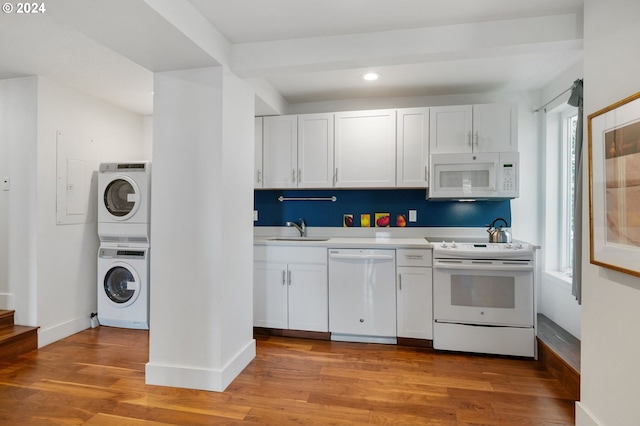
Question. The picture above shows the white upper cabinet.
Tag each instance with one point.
(412, 148)
(495, 128)
(298, 151)
(315, 151)
(280, 151)
(257, 154)
(365, 149)
(473, 128)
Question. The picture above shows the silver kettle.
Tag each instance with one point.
(499, 235)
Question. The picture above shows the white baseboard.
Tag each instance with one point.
(584, 416)
(52, 334)
(198, 378)
(6, 301)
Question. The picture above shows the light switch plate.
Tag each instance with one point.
(255, 215)
(413, 215)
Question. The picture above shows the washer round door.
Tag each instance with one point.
(122, 285)
(122, 197)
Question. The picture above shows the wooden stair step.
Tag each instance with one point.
(6, 317)
(15, 340)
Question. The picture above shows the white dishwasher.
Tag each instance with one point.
(362, 295)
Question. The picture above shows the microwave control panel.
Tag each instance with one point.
(509, 174)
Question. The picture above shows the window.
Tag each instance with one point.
(569, 125)
(561, 126)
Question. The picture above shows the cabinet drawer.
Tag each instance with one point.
(290, 254)
(413, 257)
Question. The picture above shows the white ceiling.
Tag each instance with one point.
(301, 50)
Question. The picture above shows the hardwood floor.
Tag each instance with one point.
(96, 377)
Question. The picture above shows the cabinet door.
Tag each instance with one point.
(450, 129)
(494, 128)
(257, 154)
(270, 294)
(315, 151)
(365, 144)
(412, 145)
(308, 297)
(280, 152)
(414, 303)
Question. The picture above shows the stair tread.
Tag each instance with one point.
(10, 332)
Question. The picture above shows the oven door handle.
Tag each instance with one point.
(483, 266)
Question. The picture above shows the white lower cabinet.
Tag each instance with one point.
(414, 294)
(290, 288)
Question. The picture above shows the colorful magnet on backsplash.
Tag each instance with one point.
(382, 220)
(401, 220)
(365, 220)
(347, 220)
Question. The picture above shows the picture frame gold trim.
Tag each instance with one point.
(614, 186)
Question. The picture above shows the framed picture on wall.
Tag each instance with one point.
(614, 185)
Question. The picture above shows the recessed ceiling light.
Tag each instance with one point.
(371, 76)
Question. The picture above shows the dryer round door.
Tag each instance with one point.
(122, 285)
(122, 197)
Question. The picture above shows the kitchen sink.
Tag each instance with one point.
(299, 239)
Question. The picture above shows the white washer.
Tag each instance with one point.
(123, 287)
(124, 192)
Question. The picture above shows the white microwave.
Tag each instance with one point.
(485, 175)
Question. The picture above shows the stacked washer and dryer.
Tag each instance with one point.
(124, 191)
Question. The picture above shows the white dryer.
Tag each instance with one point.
(124, 192)
(123, 287)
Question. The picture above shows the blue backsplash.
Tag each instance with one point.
(272, 212)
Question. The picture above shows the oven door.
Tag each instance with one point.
(483, 292)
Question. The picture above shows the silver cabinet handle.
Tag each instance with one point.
(400, 281)
(299, 175)
(293, 175)
(426, 174)
(335, 177)
(469, 137)
(258, 176)
(476, 138)
(284, 277)
(289, 277)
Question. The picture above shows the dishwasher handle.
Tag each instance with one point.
(363, 256)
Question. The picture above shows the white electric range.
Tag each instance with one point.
(483, 297)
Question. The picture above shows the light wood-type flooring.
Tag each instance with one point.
(96, 377)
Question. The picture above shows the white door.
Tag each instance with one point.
(315, 151)
(308, 297)
(280, 152)
(412, 145)
(450, 129)
(365, 153)
(270, 294)
(414, 303)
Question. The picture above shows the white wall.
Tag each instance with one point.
(52, 268)
(18, 139)
(201, 258)
(610, 315)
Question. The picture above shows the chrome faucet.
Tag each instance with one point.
(302, 227)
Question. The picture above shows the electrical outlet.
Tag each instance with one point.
(413, 215)
(6, 184)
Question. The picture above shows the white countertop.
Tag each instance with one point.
(349, 242)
